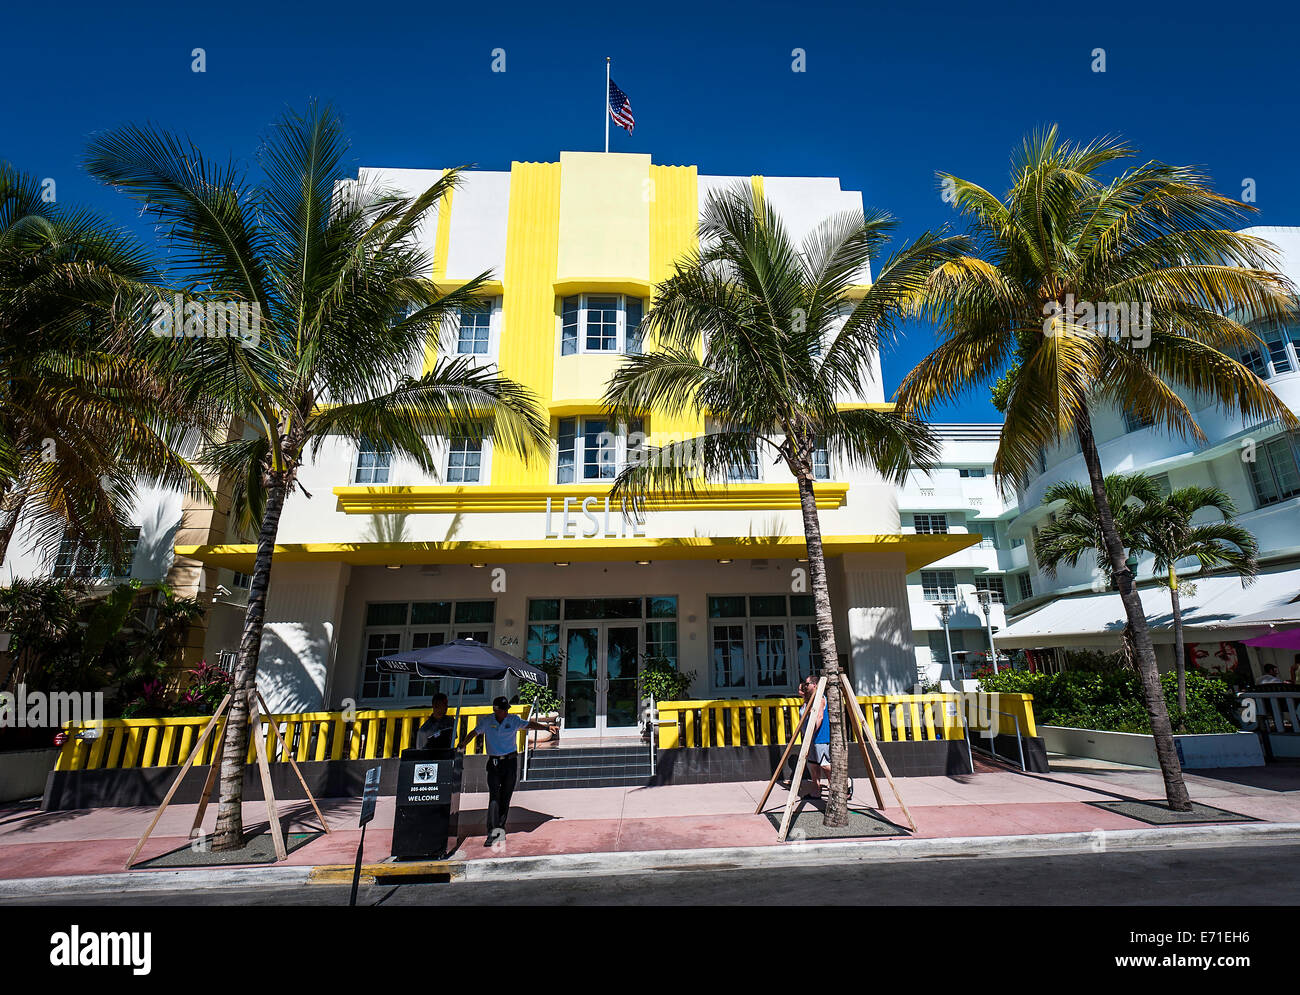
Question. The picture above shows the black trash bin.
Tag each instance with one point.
(426, 823)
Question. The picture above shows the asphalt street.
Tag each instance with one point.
(1255, 874)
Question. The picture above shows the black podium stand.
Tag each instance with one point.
(426, 823)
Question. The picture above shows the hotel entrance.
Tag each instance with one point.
(600, 677)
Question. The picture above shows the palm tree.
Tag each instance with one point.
(1172, 537)
(1075, 528)
(764, 336)
(1155, 238)
(340, 283)
(84, 413)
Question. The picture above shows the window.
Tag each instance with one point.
(939, 585)
(542, 642)
(995, 586)
(938, 647)
(394, 626)
(372, 463)
(1274, 472)
(1026, 587)
(821, 461)
(747, 468)
(1162, 484)
(600, 323)
(989, 531)
(241, 580)
(763, 642)
(1134, 423)
(464, 461)
(1275, 341)
(590, 450)
(88, 559)
(475, 331)
(931, 524)
(970, 471)
(1276, 355)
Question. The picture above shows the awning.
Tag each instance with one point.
(1222, 609)
(919, 550)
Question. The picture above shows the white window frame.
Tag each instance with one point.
(931, 518)
(939, 585)
(581, 345)
(1264, 463)
(615, 443)
(984, 582)
(87, 559)
(749, 624)
(484, 461)
(494, 315)
(357, 468)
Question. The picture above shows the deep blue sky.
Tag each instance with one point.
(889, 96)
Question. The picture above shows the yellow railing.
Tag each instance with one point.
(369, 735)
(895, 718)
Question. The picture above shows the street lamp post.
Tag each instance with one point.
(945, 607)
(986, 603)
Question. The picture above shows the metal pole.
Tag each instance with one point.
(606, 108)
(947, 638)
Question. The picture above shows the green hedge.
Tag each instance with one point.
(1113, 701)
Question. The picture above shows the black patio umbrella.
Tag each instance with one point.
(464, 660)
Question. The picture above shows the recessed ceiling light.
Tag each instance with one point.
(644, 563)
(561, 563)
(724, 561)
(394, 566)
(477, 566)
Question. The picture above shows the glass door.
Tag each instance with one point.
(581, 679)
(620, 706)
(600, 679)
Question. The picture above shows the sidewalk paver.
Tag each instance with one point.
(669, 818)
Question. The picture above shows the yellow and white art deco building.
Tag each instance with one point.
(530, 557)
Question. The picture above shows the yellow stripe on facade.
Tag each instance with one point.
(674, 232)
(494, 498)
(918, 550)
(528, 329)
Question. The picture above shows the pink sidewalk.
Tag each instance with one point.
(596, 820)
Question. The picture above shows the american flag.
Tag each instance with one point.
(620, 108)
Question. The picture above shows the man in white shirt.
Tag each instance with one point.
(500, 731)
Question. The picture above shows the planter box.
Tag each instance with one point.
(23, 772)
(1195, 750)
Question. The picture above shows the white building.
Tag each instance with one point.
(1257, 464)
(960, 497)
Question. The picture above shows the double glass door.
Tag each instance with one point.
(600, 677)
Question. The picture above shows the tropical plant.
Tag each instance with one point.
(544, 698)
(766, 337)
(1066, 243)
(1074, 530)
(339, 282)
(84, 413)
(1172, 537)
(205, 688)
(1112, 700)
(661, 678)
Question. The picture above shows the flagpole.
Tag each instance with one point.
(607, 103)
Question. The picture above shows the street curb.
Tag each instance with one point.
(811, 852)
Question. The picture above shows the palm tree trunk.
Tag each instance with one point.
(229, 833)
(1180, 669)
(837, 805)
(1152, 693)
